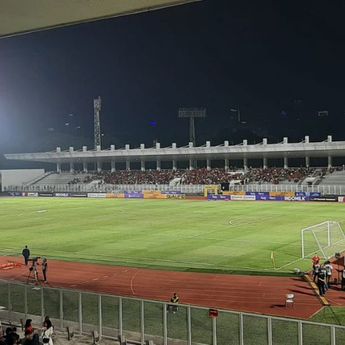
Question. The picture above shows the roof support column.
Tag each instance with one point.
(158, 162)
(245, 164)
(208, 164)
(128, 165)
(226, 164)
(142, 165)
(191, 167)
(245, 160)
(85, 163)
(71, 164)
(329, 162)
(58, 168)
(307, 161)
(329, 140)
(174, 165)
(99, 166)
(286, 163)
(113, 166)
(264, 163)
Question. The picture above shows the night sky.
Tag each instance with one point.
(280, 61)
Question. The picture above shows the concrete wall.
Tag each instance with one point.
(18, 177)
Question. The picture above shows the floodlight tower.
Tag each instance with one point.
(192, 113)
(96, 121)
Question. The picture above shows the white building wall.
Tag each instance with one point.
(18, 177)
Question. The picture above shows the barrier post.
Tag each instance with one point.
(80, 310)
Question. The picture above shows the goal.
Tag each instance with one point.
(325, 239)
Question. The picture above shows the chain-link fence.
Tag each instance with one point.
(142, 320)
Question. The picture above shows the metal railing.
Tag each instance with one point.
(188, 189)
(106, 188)
(142, 320)
(323, 189)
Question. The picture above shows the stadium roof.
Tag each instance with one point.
(232, 152)
(23, 16)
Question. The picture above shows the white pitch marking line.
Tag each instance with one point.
(132, 279)
(289, 263)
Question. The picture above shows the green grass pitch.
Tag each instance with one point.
(168, 234)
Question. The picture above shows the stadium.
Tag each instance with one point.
(235, 230)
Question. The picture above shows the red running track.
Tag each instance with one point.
(254, 294)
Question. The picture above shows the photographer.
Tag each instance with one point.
(33, 268)
(44, 269)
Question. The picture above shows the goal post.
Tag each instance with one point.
(325, 238)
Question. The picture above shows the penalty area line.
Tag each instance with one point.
(288, 264)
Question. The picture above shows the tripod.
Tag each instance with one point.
(33, 275)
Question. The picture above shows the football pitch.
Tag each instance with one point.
(166, 234)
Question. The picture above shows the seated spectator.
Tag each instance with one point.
(28, 338)
(28, 327)
(47, 331)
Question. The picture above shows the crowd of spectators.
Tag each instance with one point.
(277, 175)
(199, 176)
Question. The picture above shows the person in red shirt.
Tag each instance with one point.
(316, 266)
(315, 259)
(28, 327)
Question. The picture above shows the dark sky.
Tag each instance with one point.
(281, 61)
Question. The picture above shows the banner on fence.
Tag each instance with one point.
(283, 194)
(96, 195)
(243, 197)
(295, 198)
(213, 197)
(175, 196)
(61, 195)
(78, 195)
(154, 195)
(326, 198)
(134, 195)
(269, 198)
(46, 194)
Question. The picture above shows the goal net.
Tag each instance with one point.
(324, 239)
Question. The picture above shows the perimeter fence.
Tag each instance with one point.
(188, 189)
(143, 320)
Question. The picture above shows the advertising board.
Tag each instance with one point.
(134, 195)
(96, 195)
(61, 195)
